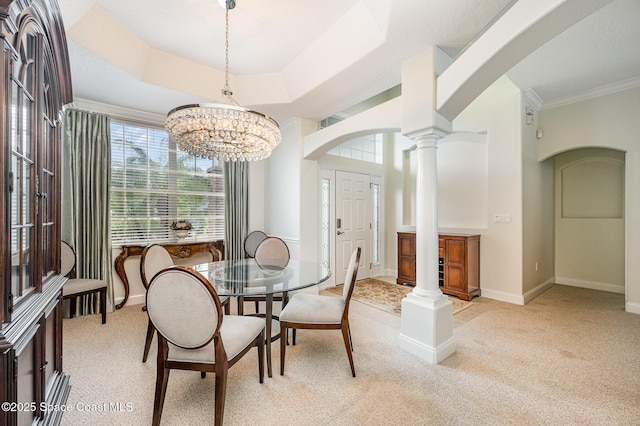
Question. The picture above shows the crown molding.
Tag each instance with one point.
(532, 98)
(120, 112)
(608, 89)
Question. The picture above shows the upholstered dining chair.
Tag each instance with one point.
(76, 287)
(193, 333)
(271, 253)
(252, 241)
(319, 312)
(154, 259)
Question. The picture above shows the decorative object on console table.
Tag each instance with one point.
(180, 250)
(459, 263)
(181, 228)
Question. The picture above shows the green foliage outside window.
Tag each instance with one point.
(154, 184)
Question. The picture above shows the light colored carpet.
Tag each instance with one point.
(570, 357)
(388, 296)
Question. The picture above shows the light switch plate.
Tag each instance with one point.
(501, 218)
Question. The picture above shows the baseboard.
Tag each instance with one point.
(136, 299)
(515, 299)
(538, 290)
(592, 285)
(632, 308)
(429, 354)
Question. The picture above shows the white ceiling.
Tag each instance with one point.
(311, 58)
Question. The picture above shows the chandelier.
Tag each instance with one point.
(224, 129)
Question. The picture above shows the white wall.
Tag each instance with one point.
(498, 113)
(256, 195)
(608, 121)
(281, 186)
(538, 212)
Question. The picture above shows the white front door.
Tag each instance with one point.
(353, 222)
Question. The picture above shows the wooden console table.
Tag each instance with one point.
(178, 250)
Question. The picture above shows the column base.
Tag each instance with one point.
(426, 327)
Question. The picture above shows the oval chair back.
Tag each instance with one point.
(272, 253)
(184, 307)
(154, 259)
(67, 259)
(252, 241)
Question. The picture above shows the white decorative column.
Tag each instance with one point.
(427, 314)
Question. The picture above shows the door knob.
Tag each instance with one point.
(340, 232)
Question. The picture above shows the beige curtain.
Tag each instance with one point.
(86, 181)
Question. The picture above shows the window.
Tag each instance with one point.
(153, 183)
(325, 231)
(366, 148)
(377, 222)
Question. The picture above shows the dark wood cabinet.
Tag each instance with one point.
(36, 84)
(459, 263)
(406, 258)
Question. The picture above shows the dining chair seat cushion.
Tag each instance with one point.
(236, 333)
(81, 285)
(313, 309)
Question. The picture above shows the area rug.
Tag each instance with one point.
(387, 296)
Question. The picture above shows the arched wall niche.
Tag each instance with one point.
(590, 218)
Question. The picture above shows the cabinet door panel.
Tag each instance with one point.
(407, 269)
(456, 252)
(407, 245)
(455, 278)
(27, 363)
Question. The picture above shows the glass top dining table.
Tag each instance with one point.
(246, 277)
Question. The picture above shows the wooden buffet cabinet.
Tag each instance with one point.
(458, 263)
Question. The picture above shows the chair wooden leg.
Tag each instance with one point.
(221, 391)
(161, 391)
(257, 306)
(72, 306)
(240, 305)
(261, 358)
(103, 304)
(293, 336)
(147, 343)
(203, 374)
(283, 346)
(347, 345)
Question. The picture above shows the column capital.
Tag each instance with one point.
(429, 135)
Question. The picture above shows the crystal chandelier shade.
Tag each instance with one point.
(223, 130)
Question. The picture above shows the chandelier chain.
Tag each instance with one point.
(225, 131)
(226, 91)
